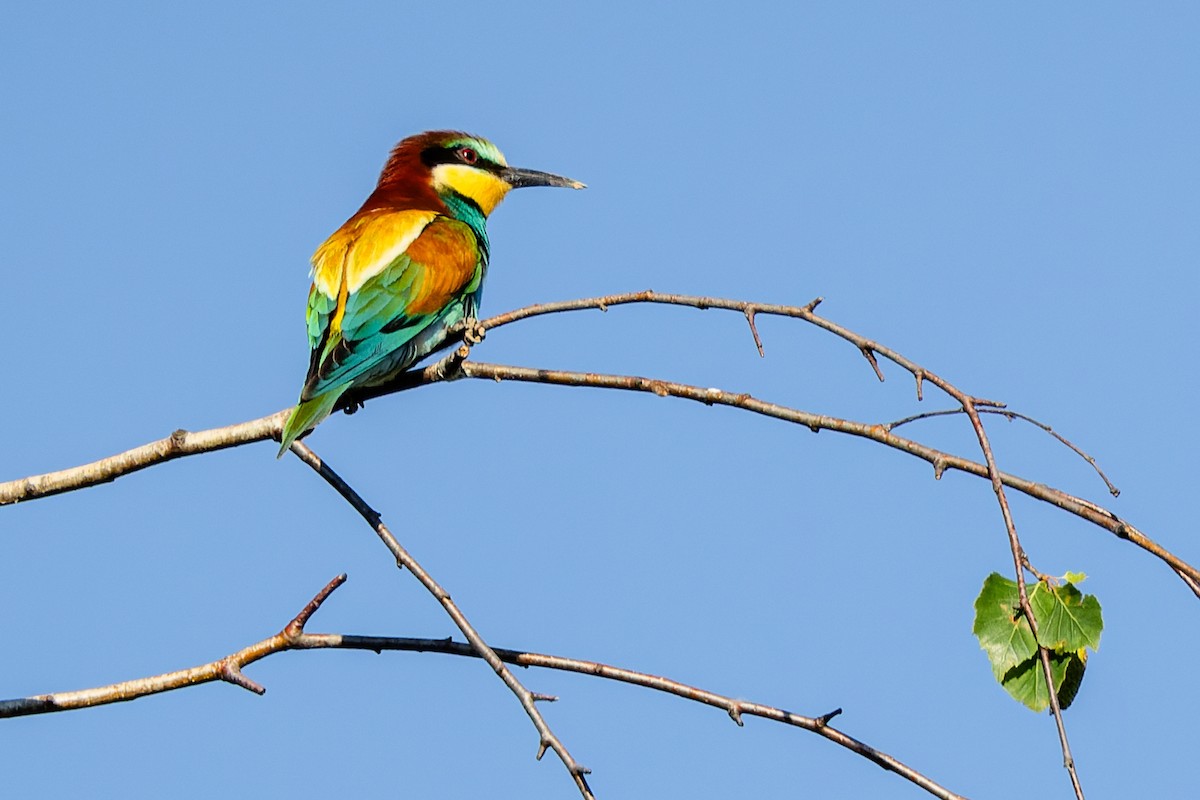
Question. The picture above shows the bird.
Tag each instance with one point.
(390, 284)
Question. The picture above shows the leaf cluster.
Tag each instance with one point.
(1068, 622)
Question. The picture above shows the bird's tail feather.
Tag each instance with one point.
(308, 415)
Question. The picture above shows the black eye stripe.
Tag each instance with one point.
(432, 156)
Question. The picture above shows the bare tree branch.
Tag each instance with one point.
(457, 365)
(548, 740)
(940, 460)
(223, 669)
(294, 637)
(179, 444)
(182, 443)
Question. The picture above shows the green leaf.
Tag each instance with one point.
(1069, 687)
(1067, 620)
(1003, 632)
(1074, 577)
(1026, 682)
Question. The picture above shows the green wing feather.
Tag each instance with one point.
(378, 338)
(374, 325)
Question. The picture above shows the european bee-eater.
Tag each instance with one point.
(409, 265)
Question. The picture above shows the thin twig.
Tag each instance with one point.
(294, 637)
(223, 669)
(1019, 561)
(1041, 576)
(1010, 416)
(806, 313)
(548, 739)
(1192, 583)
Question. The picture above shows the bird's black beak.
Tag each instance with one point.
(518, 178)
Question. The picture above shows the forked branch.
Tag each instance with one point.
(183, 443)
(458, 365)
(1010, 415)
(294, 637)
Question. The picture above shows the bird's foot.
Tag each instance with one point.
(473, 332)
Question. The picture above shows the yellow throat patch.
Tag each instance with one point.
(484, 188)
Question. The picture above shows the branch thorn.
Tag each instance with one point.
(296, 626)
(754, 330)
(823, 720)
(982, 402)
(939, 467)
(869, 354)
(231, 672)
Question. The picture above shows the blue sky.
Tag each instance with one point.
(1006, 195)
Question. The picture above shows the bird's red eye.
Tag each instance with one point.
(467, 155)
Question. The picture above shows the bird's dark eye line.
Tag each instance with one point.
(457, 154)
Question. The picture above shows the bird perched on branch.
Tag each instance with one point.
(407, 267)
